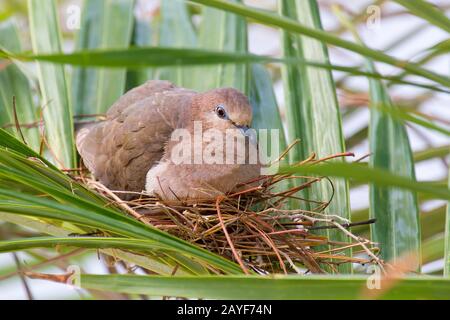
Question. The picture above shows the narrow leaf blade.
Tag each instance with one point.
(84, 80)
(230, 35)
(57, 109)
(311, 106)
(397, 228)
(447, 240)
(265, 288)
(117, 28)
(14, 83)
(291, 25)
(176, 31)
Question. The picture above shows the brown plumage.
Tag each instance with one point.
(132, 149)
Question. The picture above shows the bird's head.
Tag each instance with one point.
(223, 109)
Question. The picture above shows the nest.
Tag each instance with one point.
(255, 227)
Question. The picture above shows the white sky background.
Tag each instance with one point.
(264, 40)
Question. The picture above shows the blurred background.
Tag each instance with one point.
(383, 25)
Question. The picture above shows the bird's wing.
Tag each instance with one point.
(120, 150)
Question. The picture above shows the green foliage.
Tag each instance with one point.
(176, 31)
(293, 26)
(266, 114)
(311, 106)
(428, 12)
(277, 288)
(142, 37)
(391, 150)
(69, 201)
(447, 241)
(380, 177)
(55, 102)
(117, 28)
(230, 35)
(15, 85)
(84, 80)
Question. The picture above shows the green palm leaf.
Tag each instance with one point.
(397, 228)
(447, 241)
(428, 12)
(70, 202)
(84, 80)
(117, 28)
(262, 288)
(380, 177)
(139, 57)
(15, 84)
(230, 35)
(142, 37)
(293, 26)
(57, 109)
(311, 106)
(176, 31)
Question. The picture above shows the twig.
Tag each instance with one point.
(346, 225)
(369, 252)
(22, 278)
(236, 256)
(16, 121)
(119, 201)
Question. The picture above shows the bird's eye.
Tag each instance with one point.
(220, 111)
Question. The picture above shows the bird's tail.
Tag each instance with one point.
(85, 142)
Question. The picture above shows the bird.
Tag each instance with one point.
(133, 148)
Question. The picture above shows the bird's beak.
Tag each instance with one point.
(250, 134)
(243, 129)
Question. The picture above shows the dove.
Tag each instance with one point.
(134, 148)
